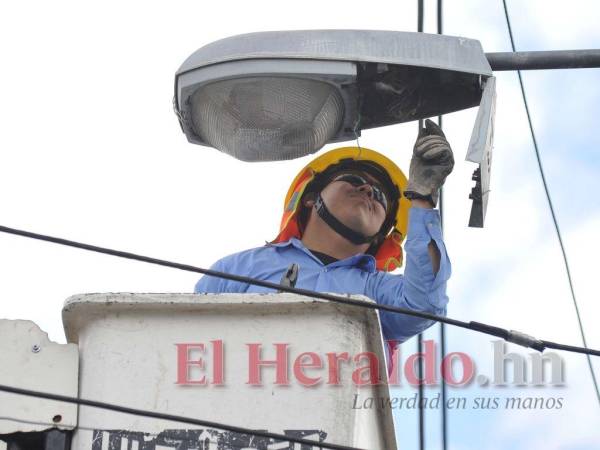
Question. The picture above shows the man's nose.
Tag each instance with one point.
(367, 188)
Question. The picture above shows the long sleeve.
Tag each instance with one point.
(215, 285)
(419, 288)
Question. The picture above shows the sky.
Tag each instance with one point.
(91, 151)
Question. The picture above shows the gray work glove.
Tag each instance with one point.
(431, 163)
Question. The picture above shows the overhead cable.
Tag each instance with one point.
(444, 389)
(515, 337)
(421, 391)
(554, 219)
(171, 417)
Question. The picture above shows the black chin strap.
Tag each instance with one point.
(353, 236)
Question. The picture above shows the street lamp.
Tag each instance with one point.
(283, 95)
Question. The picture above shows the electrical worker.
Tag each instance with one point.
(345, 217)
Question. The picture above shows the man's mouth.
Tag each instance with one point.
(366, 199)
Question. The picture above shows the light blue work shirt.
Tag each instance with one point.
(418, 288)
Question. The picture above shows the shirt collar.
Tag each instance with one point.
(361, 260)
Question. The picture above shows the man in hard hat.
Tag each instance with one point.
(345, 217)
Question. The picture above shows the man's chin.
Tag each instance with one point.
(361, 227)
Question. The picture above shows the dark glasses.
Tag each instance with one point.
(356, 180)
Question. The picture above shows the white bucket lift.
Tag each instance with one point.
(133, 353)
(31, 361)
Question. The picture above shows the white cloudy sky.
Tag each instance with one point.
(91, 151)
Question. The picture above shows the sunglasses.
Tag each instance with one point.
(356, 180)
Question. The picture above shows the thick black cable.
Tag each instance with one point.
(554, 219)
(510, 336)
(239, 278)
(170, 417)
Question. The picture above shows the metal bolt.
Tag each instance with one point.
(36, 348)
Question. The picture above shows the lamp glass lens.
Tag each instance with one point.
(267, 118)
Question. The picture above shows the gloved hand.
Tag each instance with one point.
(431, 163)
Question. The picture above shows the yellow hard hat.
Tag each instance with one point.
(388, 253)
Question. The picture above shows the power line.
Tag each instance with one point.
(516, 337)
(420, 388)
(170, 417)
(440, 17)
(554, 219)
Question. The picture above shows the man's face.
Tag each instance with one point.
(354, 204)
